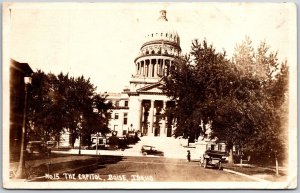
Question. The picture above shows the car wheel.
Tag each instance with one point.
(205, 163)
(144, 153)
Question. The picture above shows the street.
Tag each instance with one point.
(119, 168)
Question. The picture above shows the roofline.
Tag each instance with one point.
(161, 41)
(23, 67)
(168, 55)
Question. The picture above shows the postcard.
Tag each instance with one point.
(162, 95)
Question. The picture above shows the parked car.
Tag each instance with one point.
(37, 147)
(151, 150)
(213, 158)
(52, 144)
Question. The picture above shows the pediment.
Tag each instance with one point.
(156, 87)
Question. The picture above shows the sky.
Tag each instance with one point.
(101, 40)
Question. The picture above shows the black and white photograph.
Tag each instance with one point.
(164, 95)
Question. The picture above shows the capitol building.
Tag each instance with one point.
(141, 106)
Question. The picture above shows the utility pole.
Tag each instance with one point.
(21, 168)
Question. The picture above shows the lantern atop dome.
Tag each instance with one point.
(163, 15)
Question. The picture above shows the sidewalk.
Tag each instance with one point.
(264, 173)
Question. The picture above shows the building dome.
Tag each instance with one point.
(161, 38)
(162, 30)
(158, 52)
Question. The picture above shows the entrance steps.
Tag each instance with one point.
(169, 145)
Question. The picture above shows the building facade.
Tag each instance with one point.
(17, 97)
(142, 106)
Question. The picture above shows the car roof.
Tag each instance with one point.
(147, 146)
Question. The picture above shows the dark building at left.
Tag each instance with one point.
(17, 101)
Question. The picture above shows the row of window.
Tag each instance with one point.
(124, 131)
(117, 103)
(163, 34)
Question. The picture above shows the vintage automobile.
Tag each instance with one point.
(213, 158)
(37, 147)
(151, 150)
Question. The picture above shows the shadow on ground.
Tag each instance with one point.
(77, 164)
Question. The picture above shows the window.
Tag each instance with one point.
(115, 127)
(126, 104)
(116, 115)
(125, 119)
(220, 147)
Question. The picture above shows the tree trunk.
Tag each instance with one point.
(230, 158)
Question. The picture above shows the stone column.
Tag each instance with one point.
(146, 68)
(167, 66)
(164, 130)
(140, 111)
(150, 69)
(163, 67)
(157, 68)
(142, 117)
(143, 72)
(151, 111)
(142, 68)
(154, 119)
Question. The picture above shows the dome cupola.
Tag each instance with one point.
(158, 52)
(162, 31)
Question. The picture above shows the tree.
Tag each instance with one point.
(271, 134)
(197, 82)
(41, 112)
(242, 99)
(62, 102)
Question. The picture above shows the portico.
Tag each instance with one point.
(153, 120)
(148, 106)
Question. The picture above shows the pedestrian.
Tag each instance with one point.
(188, 156)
